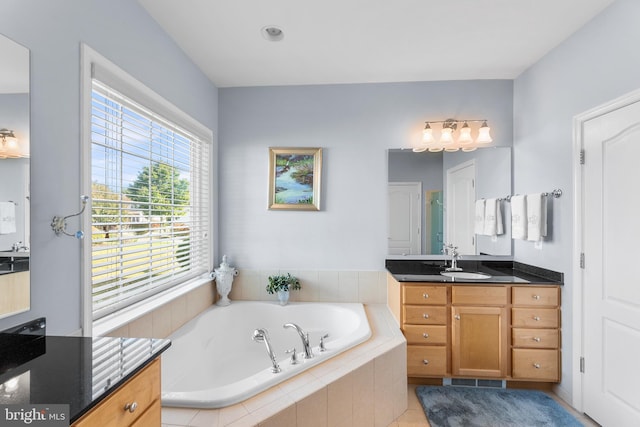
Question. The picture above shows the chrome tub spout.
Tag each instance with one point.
(261, 335)
(308, 354)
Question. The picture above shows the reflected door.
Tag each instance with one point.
(461, 195)
(405, 207)
(611, 293)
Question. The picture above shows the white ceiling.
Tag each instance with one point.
(362, 41)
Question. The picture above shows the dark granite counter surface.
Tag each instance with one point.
(76, 371)
(501, 272)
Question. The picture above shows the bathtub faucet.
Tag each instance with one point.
(308, 354)
(261, 335)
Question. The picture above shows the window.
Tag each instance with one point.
(150, 196)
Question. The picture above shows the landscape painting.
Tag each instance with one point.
(294, 178)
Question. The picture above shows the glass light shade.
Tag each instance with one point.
(468, 149)
(419, 149)
(446, 137)
(484, 137)
(11, 147)
(465, 134)
(435, 149)
(452, 149)
(427, 135)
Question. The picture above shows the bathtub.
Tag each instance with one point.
(213, 361)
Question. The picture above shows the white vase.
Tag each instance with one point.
(283, 297)
(224, 280)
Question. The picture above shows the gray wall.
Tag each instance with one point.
(53, 30)
(597, 64)
(355, 125)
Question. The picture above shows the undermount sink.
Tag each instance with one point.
(465, 275)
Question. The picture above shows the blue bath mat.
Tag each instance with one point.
(452, 406)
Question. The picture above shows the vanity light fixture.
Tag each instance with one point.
(453, 139)
(9, 146)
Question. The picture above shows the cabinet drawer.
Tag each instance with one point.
(535, 296)
(479, 295)
(427, 334)
(534, 317)
(535, 364)
(426, 360)
(420, 294)
(151, 418)
(425, 315)
(143, 389)
(535, 338)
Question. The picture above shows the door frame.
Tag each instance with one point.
(447, 201)
(578, 238)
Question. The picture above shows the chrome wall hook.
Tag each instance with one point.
(59, 224)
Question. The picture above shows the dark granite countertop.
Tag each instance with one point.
(76, 371)
(501, 272)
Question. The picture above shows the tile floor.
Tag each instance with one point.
(415, 417)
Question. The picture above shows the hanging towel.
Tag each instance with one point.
(492, 218)
(479, 218)
(519, 217)
(7, 217)
(536, 217)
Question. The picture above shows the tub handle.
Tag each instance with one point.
(294, 356)
(322, 338)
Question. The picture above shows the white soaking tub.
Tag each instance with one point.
(213, 361)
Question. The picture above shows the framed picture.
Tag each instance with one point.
(294, 178)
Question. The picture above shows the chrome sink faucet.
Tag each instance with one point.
(452, 251)
(308, 354)
(261, 335)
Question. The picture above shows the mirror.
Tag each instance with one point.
(425, 189)
(14, 178)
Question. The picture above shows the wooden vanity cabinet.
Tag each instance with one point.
(479, 331)
(135, 403)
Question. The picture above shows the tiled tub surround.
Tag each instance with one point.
(365, 386)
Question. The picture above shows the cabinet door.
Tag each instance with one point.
(479, 347)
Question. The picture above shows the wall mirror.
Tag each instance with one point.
(14, 178)
(431, 200)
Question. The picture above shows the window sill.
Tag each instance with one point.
(127, 315)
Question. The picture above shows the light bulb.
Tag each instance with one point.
(484, 137)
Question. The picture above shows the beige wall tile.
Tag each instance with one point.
(312, 410)
(362, 380)
(178, 416)
(161, 321)
(120, 332)
(179, 312)
(142, 327)
(368, 287)
(328, 286)
(285, 418)
(200, 299)
(340, 401)
(348, 286)
(206, 418)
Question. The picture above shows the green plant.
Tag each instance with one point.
(281, 282)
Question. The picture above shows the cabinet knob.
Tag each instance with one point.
(425, 362)
(131, 407)
(425, 315)
(536, 318)
(425, 295)
(457, 317)
(536, 365)
(536, 297)
(426, 335)
(537, 339)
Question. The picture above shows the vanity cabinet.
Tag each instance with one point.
(535, 333)
(498, 331)
(135, 403)
(479, 331)
(15, 291)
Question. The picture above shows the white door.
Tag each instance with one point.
(460, 210)
(611, 279)
(405, 213)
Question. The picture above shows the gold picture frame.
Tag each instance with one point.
(294, 178)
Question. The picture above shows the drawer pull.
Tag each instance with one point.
(426, 335)
(425, 295)
(457, 317)
(425, 315)
(425, 362)
(536, 318)
(131, 407)
(537, 339)
(536, 297)
(536, 365)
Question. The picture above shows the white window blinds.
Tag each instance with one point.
(150, 202)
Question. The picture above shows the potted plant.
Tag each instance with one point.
(281, 284)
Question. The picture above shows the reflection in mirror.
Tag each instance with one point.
(14, 178)
(427, 190)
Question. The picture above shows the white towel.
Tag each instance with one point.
(492, 218)
(479, 218)
(7, 217)
(519, 217)
(536, 217)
